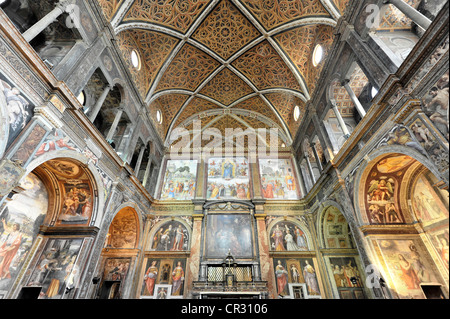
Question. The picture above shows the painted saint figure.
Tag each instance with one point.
(150, 277)
(282, 278)
(311, 281)
(178, 278)
(277, 235)
(9, 248)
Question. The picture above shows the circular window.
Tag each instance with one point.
(81, 98)
(374, 92)
(135, 60)
(296, 113)
(159, 118)
(317, 55)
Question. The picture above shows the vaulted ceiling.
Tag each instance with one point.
(241, 63)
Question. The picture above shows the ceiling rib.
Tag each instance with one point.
(185, 38)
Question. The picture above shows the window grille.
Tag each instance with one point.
(240, 273)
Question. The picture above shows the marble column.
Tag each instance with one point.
(193, 266)
(265, 261)
(113, 127)
(99, 103)
(411, 13)
(340, 120)
(316, 156)
(310, 169)
(48, 19)
(354, 98)
(137, 167)
(147, 173)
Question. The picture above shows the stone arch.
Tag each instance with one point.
(99, 188)
(369, 162)
(159, 226)
(344, 241)
(125, 210)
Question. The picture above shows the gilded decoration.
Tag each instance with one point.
(299, 44)
(154, 49)
(226, 87)
(169, 106)
(284, 104)
(256, 104)
(196, 105)
(109, 7)
(174, 14)
(187, 70)
(265, 68)
(272, 14)
(225, 31)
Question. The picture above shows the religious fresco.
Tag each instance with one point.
(295, 271)
(56, 141)
(123, 232)
(229, 233)
(19, 225)
(347, 277)
(168, 273)
(435, 105)
(335, 230)
(277, 179)
(382, 189)
(287, 236)
(228, 178)
(20, 108)
(171, 236)
(430, 204)
(408, 265)
(179, 180)
(56, 268)
(77, 202)
(116, 269)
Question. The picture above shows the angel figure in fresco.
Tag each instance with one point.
(381, 190)
(150, 277)
(278, 237)
(282, 277)
(178, 278)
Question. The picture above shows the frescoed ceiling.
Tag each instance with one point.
(242, 63)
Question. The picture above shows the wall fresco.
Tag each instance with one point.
(294, 271)
(20, 222)
(287, 236)
(179, 180)
(172, 236)
(20, 108)
(278, 179)
(168, 273)
(228, 178)
(56, 268)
